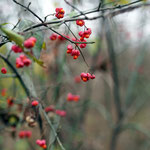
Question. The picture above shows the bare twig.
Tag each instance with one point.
(77, 45)
(75, 8)
(17, 74)
(52, 127)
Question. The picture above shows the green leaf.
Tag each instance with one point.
(38, 61)
(44, 46)
(39, 44)
(38, 35)
(24, 24)
(13, 36)
(27, 80)
(73, 13)
(3, 24)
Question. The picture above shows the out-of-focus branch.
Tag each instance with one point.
(77, 45)
(17, 74)
(52, 127)
(43, 24)
(117, 100)
(27, 8)
(77, 17)
(75, 8)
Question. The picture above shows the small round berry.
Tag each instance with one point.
(80, 22)
(69, 49)
(44, 146)
(92, 76)
(32, 39)
(76, 98)
(21, 134)
(27, 62)
(50, 108)
(28, 134)
(61, 113)
(34, 103)
(38, 142)
(29, 44)
(53, 37)
(69, 97)
(81, 33)
(4, 70)
(16, 49)
(59, 13)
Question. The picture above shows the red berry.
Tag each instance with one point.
(92, 76)
(53, 37)
(32, 39)
(83, 45)
(29, 43)
(80, 22)
(44, 146)
(16, 49)
(59, 13)
(75, 53)
(61, 113)
(38, 142)
(10, 102)
(70, 97)
(69, 49)
(50, 108)
(21, 134)
(4, 70)
(81, 33)
(76, 98)
(19, 63)
(34, 103)
(28, 134)
(27, 62)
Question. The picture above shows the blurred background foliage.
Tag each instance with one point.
(89, 123)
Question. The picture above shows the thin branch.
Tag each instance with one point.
(43, 24)
(16, 24)
(27, 8)
(114, 70)
(17, 74)
(75, 8)
(77, 17)
(77, 45)
(52, 127)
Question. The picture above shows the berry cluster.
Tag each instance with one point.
(50, 108)
(30, 42)
(10, 102)
(80, 23)
(74, 52)
(85, 34)
(3, 70)
(25, 134)
(59, 13)
(55, 36)
(16, 49)
(41, 143)
(22, 61)
(71, 97)
(59, 112)
(87, 76)
(34, 103)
